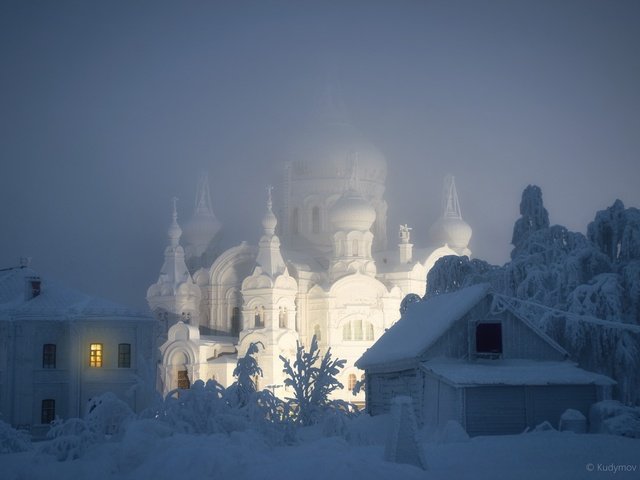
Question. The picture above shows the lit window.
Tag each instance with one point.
(48, 411)
(352, 381)
(124, 355)
(183, 380)
(49, 355)
(95, 355)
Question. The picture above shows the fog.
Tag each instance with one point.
(108, 110)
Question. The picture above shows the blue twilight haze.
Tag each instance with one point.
(109, 109)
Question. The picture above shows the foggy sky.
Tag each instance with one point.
(109, 109)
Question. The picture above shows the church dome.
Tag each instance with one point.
(352, 212)
(455, 232)
(200, 229)
(331, 150)
(269, 222)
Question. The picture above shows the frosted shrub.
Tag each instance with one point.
(313, 379)
(12, 440)
(613, 417)
(199, 409)
(68, 439)
(107, 415)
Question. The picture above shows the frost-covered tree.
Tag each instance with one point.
(12, 440)
(451, 273)
(246, 371)
(533, 217)
(312, 379)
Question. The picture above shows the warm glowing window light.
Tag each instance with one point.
(95, 355)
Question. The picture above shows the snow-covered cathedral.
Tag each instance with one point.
(323, 266)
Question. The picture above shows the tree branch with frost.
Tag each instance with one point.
(312, 379)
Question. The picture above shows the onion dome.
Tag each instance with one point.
(352, 212)
(455, 232)
(269, 221)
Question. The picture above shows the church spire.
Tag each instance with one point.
(175, 232)
(450, 203)
(203, 198)
(269, 256)
(175, 292)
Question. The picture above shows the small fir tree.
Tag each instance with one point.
(313, 379)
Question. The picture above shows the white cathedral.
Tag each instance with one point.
(322, 267)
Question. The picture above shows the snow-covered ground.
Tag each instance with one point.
(149, 450)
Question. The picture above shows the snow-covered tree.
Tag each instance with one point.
(12, 440)
(313, 379)
(246, 372)
(534, 217)
(451, 273)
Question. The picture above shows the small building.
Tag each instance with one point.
(490, 370)
(59, 348)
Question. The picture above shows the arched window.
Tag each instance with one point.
(346, 331)
(283, 317)
(315, 219)
(295, 221)
(352, 381)
(369, 331)
(258, 317)
(354, 248)
(357, 329)
(235, 320)
(317, 332)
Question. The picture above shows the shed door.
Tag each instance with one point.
(495, 410)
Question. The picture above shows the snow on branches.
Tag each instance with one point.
(313, 380)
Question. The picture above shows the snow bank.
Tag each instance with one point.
(613, 417)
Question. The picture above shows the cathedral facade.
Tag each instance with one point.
(322, 267)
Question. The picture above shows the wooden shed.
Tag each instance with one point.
(491, 371)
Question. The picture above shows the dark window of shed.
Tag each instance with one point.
(489, 338)
(49, 355)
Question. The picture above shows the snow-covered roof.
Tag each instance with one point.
(421, 325)
(512, 372)
(54, 301)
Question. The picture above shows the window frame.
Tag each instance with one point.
(49, 356)
(47, 411)
(96, 355)
(124, 357)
